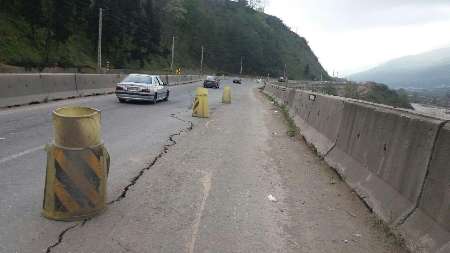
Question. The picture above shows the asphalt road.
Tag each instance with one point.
(133, 134)
(203, 189)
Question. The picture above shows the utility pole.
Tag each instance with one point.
(285, 74)
(242, 65)
(201, 61)
(173, 53)
(100, 28)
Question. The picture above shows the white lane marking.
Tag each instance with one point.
(1, 139)
(15, 156)
(206, 181)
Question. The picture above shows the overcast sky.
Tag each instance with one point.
(353, 35)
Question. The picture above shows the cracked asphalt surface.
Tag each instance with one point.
(180, 184)
(134, 135)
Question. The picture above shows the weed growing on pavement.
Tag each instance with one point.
(292, 128)
(393, 237)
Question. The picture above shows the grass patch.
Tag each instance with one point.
(292, 128)
(392, 236)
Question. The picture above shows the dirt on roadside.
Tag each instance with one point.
(324, 214)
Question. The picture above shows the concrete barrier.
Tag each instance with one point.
(428, 228)
(91, 84)
(278, 93)
(318, 118)
(180, 79)
(21, 89)
(383, 155)
(59, 86)
(17, 89)
(177, 80)
(396, 160)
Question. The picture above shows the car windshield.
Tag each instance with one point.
(211, 78)
(138, 79)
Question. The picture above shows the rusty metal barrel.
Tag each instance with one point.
(77, 166)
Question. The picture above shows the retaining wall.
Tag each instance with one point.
(397, 161)
(20, 89)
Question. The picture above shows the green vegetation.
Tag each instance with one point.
(378, 93)
(137, 34)
(329, 90)
(292, 128)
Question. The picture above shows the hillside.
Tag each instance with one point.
(137, 34)
(427, 70)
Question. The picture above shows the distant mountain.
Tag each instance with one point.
(427, 70)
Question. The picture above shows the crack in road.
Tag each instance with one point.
(165, 149)
(171, 142)
(61, 237)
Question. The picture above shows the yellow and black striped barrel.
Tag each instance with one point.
(200, 107)
(226, 98)
(75, 186)
(77, 166)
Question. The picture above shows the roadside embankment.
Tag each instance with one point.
(396, 160)
(21, 89)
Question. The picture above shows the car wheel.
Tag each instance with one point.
(155, 98)
(167, 96)
(121, 100)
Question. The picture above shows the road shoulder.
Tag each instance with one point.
(324, 214)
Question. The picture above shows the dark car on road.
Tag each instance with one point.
(211, 82)
(237, 80)
(136, 87)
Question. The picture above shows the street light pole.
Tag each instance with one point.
(99, 48)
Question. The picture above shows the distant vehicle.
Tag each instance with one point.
(137, 87)
(281, 80)
(237, 80)
(211, 82)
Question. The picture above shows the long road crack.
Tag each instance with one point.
(61, 237)
(171, 142)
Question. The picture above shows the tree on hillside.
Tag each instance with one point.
(173, 12)
(138, 34)
(32, 12)
(258, 5)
